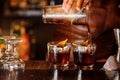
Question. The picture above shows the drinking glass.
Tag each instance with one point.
(9, 62)
(84, 55)
(58, 56)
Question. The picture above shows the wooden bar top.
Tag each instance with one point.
(40, 70)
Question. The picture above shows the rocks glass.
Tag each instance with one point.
(58, 56)
(84, 55)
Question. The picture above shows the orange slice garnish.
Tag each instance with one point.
(62, 43)
(85, 43)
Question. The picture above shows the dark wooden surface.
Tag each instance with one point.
(40, 70)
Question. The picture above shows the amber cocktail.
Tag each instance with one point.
(59, 55)
(84, 56)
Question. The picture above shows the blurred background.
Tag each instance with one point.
(23, 19)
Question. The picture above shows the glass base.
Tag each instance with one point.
(60, 66)
(10, 62)
(89, 67)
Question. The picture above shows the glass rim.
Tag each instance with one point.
(54, 43)
(77, 44)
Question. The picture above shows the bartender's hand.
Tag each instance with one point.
(101, 16)
(68, 3)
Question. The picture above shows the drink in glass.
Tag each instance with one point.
(84, 55)
(59, 55)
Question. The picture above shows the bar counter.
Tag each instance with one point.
(40, 70)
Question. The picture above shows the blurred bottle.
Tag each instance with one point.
(23, 5)
(13, 5)
(2, 47)
(33, 44)
(2, 44)
(17, 5)
(19, 30)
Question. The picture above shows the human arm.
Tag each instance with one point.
(101, 16)
(67, 4)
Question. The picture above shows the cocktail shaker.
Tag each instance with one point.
(56, 15)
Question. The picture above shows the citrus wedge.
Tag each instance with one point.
(62, 43)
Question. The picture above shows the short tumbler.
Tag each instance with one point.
(58, 56)
(84, 56)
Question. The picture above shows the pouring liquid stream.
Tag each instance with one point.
(89, 36)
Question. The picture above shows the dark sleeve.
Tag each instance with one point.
(106, 45)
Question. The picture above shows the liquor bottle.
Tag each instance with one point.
(2, 44)
(2, 47)
(19, 30)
